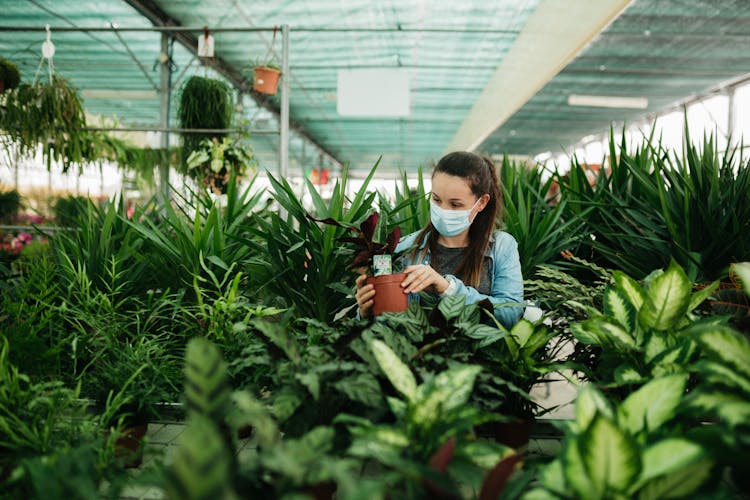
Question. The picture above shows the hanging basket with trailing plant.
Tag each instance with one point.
(205, 103)
(51, 114)
(10, 77)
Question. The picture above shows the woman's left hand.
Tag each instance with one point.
(421, 277)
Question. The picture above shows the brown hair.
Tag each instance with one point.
(480, 173)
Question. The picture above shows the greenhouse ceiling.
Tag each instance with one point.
(495, 76)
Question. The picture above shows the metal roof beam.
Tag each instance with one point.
(545, 46)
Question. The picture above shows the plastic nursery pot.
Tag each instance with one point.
(389, 296)
(128, 446)
(266, 80)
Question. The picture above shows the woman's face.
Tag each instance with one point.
(454, 193)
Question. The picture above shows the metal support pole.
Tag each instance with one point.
(731, 141)
(284, 119)
(164, 101)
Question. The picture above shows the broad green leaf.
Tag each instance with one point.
(669, 456)
(734, 410)
(678, 484)
(698, 297)
(201, 466)
(632, 290)
(311, 381)
(626, 373)
(285, 403)
(742, 270)
(452, 306)
(522, 331)
(725, 376)
(487, 335)
(617, 306)
(652, 405)
(395, 369)
(363, 388)
(584, 333)
(588, 403)
(446, 391)
(553, 477)
(655, 344)
(485, 454)
(576, 475)
(667, 299)
(612, 334)
(611, 457)
(724, 344)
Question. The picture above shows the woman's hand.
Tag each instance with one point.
(364, 295)
(421, 277)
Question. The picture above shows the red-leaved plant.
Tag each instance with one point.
(368, 240)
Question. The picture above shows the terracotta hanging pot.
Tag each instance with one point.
(266, 80)
(389, 296)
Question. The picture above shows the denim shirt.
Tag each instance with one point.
(505, 269)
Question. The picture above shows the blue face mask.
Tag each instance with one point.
(450, 222)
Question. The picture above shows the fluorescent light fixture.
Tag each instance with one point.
(118, 94)
(607, 101)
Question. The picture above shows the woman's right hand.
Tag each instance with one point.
(364, 295)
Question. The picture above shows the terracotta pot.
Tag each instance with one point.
(266, 80)
(389, 296)
(128, 446)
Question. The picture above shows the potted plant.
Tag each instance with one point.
(266, 78)
(214, 162)
(205, 103)
(50, 114)
(10, 77)
(374, 249)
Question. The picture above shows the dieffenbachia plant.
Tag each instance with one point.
(641, 331)
(629, 450)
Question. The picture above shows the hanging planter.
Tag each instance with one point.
(266, 79)
(214, 162)
(9, 75)
(205, 103)
(266, 74)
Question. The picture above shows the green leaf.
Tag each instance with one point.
(698, 297)
(678, 484)
(653, 404)
(669, 456)
(576, 475)
(487, 335)
(742, 270)
(611, 457)
(285, 403)
(312, 382)
(725, 345)
(632, 290)
(611, 334)
(363, 388)
(618, 306)
(395, 369)
(446, 391)
(584, 333)
(201, 468)
(522, 331)
(667, 299)
(733, 410)
(452, 306)
(589, 403)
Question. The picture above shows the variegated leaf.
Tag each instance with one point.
(632, 290)
(618, 306)
(397, 372)
(667, 299)
(653, 404)
(610, 456)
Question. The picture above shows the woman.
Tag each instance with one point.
(459, 251)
